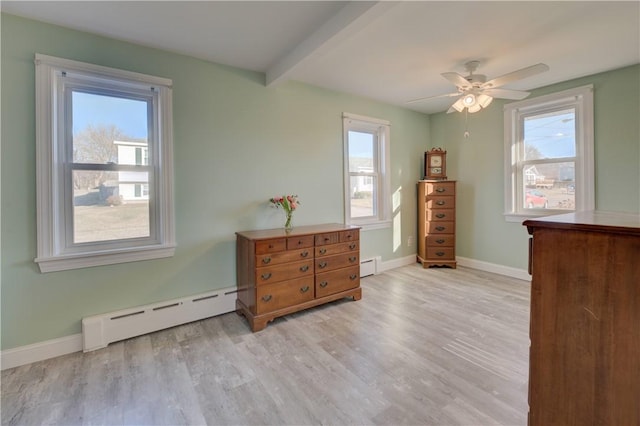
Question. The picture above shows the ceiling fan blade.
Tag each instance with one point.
(516, 75)
(456, 79)
(448, 95)
(506, 93)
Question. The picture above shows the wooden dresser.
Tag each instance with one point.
(280, 272)
(437, 223)
(585, 319)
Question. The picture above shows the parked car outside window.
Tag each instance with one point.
(536, 199)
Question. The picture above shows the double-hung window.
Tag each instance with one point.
(549, 154)
(366, 175)
(104, 165)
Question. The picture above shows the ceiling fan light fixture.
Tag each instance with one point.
(484, 100)
(458, 105)
(475, 108)
(469, 100)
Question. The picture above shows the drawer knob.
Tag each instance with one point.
(440, 253)
(440, 189)
(353, 277)
(304, 253)
(352, 259)
(441, 203)
(440, 228)
(327, 238)
(266, 298)
(323, 251)
(440, 241)
(266, 276)
(323, 284)
(304, 268)
(300, 242)
(270, 245)
(266, 260)
(440, 215)
(322, 265)
(304, 289)
(349, 236)
(352, 246)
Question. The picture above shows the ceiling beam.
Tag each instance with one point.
(347, 22)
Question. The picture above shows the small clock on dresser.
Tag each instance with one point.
(435, 164)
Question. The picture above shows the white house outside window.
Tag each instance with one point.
(549, 154)
(104, 162)
(367, 179)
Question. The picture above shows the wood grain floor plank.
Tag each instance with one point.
(429, 347)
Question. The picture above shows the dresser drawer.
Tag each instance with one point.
(440, 227)
(440, 188)
(346, 236)
(329, 263)
(294, 243)
(441, 214)
(444, 240)
(336, 281)
(328, 238)
(271, 246)
(270, 259)
(444, 253)
(440, 202)
(286, 271)
(330, 250)
(283, 294)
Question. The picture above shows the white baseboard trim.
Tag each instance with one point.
(40, 351)
(520, 274)
(394, 263)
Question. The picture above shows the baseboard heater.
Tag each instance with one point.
(367, 267)
(100, 330)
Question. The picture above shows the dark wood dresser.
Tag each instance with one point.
(437, 223)
(280, 272)
(585, 319)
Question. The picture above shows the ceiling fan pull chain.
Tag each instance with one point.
(466, 123)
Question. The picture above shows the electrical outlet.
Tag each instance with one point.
(410, 241)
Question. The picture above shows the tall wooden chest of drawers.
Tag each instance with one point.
(280, 272)
(437, 223)
(584, 359)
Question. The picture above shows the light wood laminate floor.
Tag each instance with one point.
(422, 347)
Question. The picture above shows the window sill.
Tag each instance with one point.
(369, 226)
(521, 217)
(86, 260)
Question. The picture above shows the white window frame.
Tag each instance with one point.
(54, 186)
(381, 128)
(581, 99)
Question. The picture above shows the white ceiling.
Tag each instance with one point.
(388, 51)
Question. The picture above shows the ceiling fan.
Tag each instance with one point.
(475, 92)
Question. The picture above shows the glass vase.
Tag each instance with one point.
(288, 225)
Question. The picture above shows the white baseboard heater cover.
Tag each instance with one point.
(368, 267)
(100, 330)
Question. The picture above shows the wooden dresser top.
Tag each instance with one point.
(593, 221)
(296, 231)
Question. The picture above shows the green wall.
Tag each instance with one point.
(477, 163)
(236, 142)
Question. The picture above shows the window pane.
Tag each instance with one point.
(105, 206)
(550, 186)
(363, 197)
(108, 129)
(361, 152)
(550, 135)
